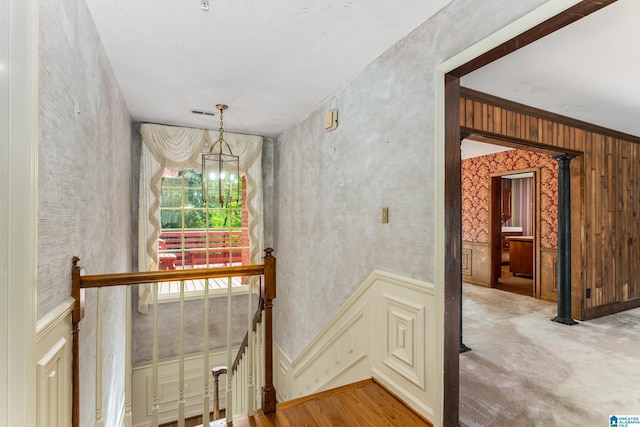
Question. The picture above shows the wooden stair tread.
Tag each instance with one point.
(364, 403)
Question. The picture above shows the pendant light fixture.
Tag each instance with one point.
(220, 171)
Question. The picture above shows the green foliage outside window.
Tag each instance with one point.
(195, 211)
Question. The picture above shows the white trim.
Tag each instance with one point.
(395, 279)
(353, 346)
(19, 127)
(168, 383)
(528, 21)
(53, 368)
(53, 318)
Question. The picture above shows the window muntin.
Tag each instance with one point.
(195, 235)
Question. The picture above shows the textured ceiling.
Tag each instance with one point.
(271, 61)
(587, 70)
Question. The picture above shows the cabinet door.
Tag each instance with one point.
(506, 204)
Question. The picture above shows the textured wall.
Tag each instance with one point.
(476, 174)
(169, 331)
(331, 187)
(84, 186)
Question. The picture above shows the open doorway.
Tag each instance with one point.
(451, 71)
(514, 233)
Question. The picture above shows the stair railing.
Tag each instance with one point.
(263, 373)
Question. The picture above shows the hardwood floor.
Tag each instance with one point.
(365, 403)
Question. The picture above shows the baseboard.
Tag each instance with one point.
(385, 329)
(605, 310)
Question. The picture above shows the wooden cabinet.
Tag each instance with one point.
(505, 205)
(505, 244)
(521, 255)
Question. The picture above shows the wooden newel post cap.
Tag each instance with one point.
(218, 370)
(268, 253)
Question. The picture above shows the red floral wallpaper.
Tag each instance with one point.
(475, 192)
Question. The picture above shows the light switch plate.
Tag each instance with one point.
(385, 215)
(331, 120)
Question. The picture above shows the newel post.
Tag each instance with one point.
(76, 316)
(268, 294)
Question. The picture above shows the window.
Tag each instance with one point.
(194, 235)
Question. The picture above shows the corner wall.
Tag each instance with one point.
(331, 187)
(84, 192)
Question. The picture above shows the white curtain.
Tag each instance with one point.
(178, 148)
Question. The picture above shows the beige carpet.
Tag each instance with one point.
(525, 370)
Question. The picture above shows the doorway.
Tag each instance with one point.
(448, 127)
(513, 230)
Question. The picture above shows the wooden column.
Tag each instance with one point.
(564, 240)
(269, 294)
(453, 253)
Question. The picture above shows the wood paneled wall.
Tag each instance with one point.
(610, 182)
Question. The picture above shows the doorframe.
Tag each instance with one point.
(19, 107)
(495, 237)
(544, 20)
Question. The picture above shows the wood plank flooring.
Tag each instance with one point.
(197, 285)
(365, 403)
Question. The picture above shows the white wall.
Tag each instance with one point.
(330, 187)
(84, 192)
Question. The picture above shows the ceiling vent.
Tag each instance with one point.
(203, 113)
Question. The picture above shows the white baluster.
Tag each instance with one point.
(99, 421)
(181, 401)
(206, 400)
(155, 406)
(230, 402)
(127, 362)
(250, 402)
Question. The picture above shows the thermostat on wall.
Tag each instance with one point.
(331, 120)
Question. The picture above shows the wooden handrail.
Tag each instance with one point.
(79, 282)
(138, 278)
(257, 317)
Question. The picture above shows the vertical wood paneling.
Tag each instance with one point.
(611, 169)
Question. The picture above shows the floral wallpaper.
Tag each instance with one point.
(475, 192)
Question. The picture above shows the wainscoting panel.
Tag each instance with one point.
(404, 319)
(549, 274)
(169, 388)
(386, 330)
(476, 263)
(53, 369)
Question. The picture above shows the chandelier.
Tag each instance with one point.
(220, 171)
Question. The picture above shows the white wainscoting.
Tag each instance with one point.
(386, 330)
(53, 367)
(168, 387)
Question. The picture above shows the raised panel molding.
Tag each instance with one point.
(476, 263)
(169, 387)
(342, 350)
(383, 330)
(404, 339)
(52, 373)
(467, 262)
(53, 367)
